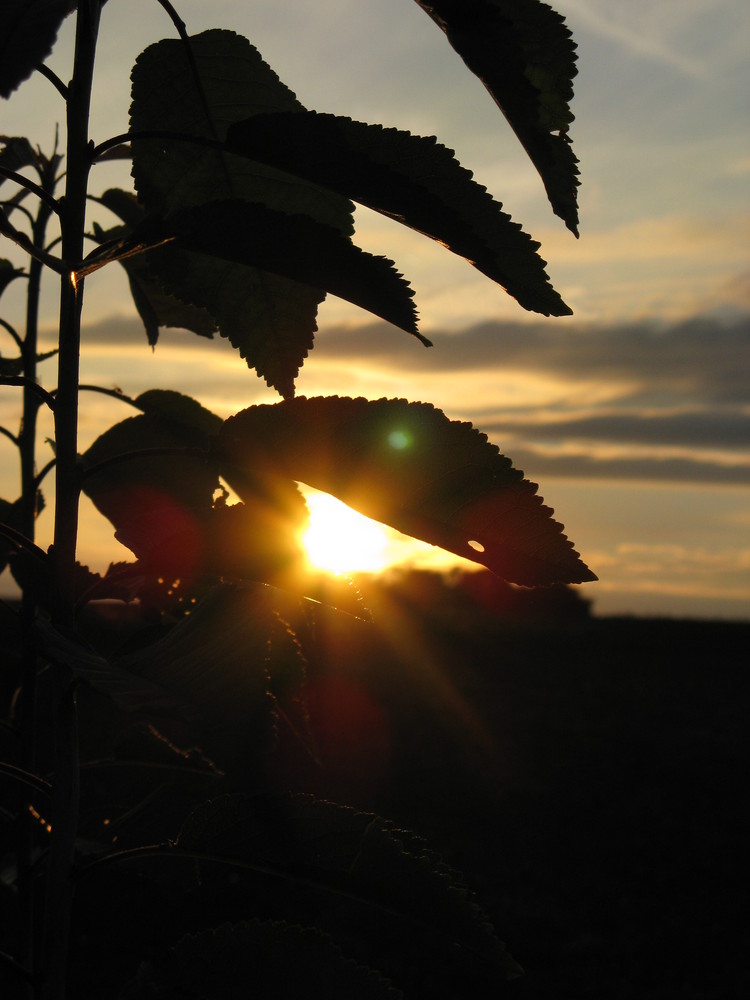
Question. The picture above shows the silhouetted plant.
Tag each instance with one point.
(118, 842)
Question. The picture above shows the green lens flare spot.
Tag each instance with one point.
(399, 440)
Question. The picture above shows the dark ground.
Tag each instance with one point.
(588, 776)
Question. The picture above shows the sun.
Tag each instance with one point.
(340, 540)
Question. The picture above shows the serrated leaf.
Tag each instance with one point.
(155, 306)
(280, 960)
(130, 691)
(215, 662)
(523, 53)
(230, 233)
(162, 506)
(155, 500)
(34, 573)
(183, 413)
(411, 179)
(28, 29)
(367, 873)
(409, 466)
(270, 319)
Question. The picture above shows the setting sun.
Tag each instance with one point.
(340, 540)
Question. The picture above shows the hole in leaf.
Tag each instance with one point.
(477, 546)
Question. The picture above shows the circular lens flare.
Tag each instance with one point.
(399, 440)
(342, 541)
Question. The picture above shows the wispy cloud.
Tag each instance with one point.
(641, 401)
(681, 570)
(623, 26)
(720, 430)
(694, 359)
(540, 465)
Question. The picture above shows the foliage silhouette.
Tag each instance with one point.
(241, 224)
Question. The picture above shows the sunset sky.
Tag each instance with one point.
(634, 414)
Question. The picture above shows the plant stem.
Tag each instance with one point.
(64, 817)
(42, 194)
(31, 386)
(71, 299)
(59, 889)
(27, 453)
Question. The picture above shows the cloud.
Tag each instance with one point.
(629, 34)
(736, 291)
(680, 569)
(694, 359)
(645, 401)
(693, 429)
(539, 465)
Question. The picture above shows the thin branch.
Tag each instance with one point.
(174, 17)
(115, 393)
(46, 397)
(199, 772)
(21, 240)
(125, 137)
(185, 38)
(54, 79)
(16, 206)
(10, 963)
(103, 255)
(7, 727)
(19, 539)
(33, 780)
(7, 433)
(24, 182)
(39, 478)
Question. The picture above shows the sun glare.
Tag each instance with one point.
(342, 541)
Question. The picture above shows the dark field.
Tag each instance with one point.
(589, 777)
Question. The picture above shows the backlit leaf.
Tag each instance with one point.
(155, 500)
(523, 53)
(17, 153)
(269, 318)
(131, 692)
(362, 872)
(279, 960)
(28, 29)
(155, 306)
(409, 466)
(226, 234)
(214, 662)
(411, 179)
(162, 505)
